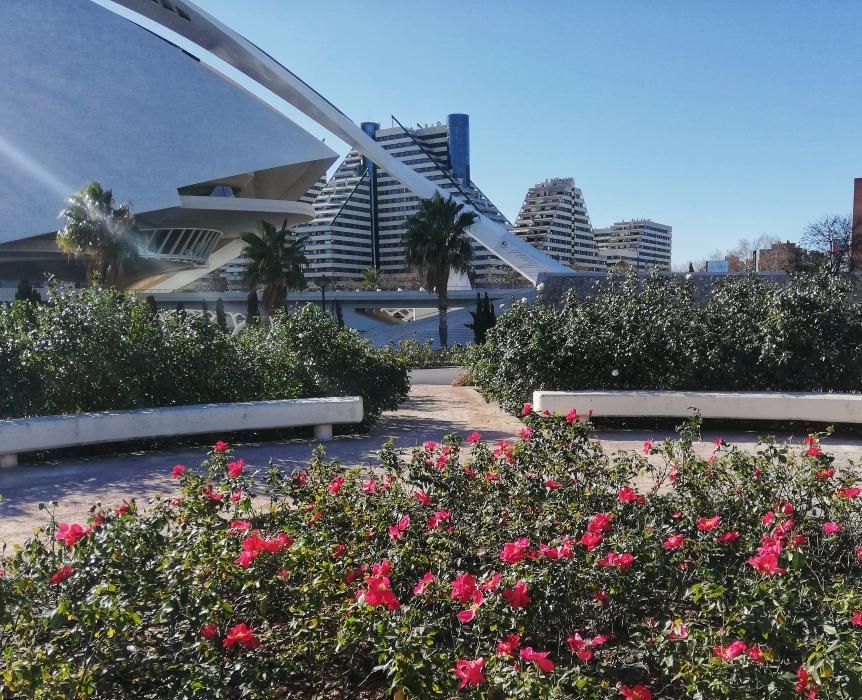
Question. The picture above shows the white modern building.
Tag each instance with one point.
(88, 95)
(640, 244)
(554, 219)
(361, 214)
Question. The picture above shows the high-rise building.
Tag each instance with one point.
(640, 244)
(554, 219)
(361, 214)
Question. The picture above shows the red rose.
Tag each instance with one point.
(469, 672)
(241, 635)
(61, 575)
(234, 469)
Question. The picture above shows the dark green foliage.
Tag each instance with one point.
(252, 308)
(751, 334)
(424, 356)
(275, 262)
(435, 242)
(484, 319)
(221, 317)
(104, 233)
(151, 303)
(25, 292)
(309, 350)
(94, 350)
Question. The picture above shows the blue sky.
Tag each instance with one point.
(723, 119)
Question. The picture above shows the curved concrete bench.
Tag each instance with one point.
(48, 432)
(743, 405)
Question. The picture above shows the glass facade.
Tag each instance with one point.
(459, 146)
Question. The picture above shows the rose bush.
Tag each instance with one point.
(749, 334)
(538, 568)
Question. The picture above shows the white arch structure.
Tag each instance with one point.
(197, 26)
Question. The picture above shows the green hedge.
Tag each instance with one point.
(424, 356)
(750, 334)
(96, 350)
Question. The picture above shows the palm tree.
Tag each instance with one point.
(435, 243)
(98, 229)
(371, 279)
(275, 262)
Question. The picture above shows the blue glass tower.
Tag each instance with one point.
(459, 146)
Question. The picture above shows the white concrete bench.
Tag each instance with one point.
(744, 405)
(48, 432)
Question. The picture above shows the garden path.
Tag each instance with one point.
(431, 411)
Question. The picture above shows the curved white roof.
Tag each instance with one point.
(88, 95)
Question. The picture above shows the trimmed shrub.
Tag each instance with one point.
(751, 334)
(96, 350)
(424, 356)
(529, 569)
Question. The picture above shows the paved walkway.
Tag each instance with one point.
(431, 411)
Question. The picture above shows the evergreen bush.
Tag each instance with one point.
(97, 350)
(750, 334)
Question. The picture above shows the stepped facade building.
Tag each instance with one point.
(554, 219)
(361, 213)
(640, 244)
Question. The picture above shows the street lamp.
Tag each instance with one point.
(323, 284)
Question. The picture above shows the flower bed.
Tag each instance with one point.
(519, 570)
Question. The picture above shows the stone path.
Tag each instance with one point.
(431, 411)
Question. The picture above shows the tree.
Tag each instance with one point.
(372, 279)
(221, 316)
(217, 282)
(741, 258)
(205, 311)
(833, 237)
(275, 262)
(25, 292)
(101, 231)
(252, 310)
(150, 301)
(436, 242)
(484, 319)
